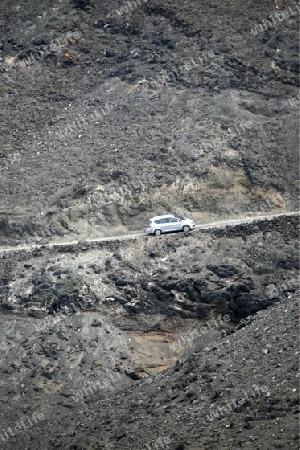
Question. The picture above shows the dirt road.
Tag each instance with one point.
(216, 224)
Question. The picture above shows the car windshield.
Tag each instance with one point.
(180, 218)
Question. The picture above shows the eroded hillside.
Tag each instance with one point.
(112, 112)
(81, 322)
(112, 117)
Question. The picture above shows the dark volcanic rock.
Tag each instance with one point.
(221, 97)
(216, 388)
(223, 271)
(114, 112)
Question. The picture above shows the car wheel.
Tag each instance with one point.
(157, 232)
(186, 229)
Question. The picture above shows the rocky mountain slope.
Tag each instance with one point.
(240, 392)
(112, 112)
(85, 321)
(110, 117)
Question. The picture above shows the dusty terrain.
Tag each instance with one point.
(87, 320)
(112, 112)
(108, 119)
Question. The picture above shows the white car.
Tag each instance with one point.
(168, 223)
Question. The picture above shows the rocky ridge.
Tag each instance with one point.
(88, 320)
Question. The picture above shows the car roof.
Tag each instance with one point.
(161, 217)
